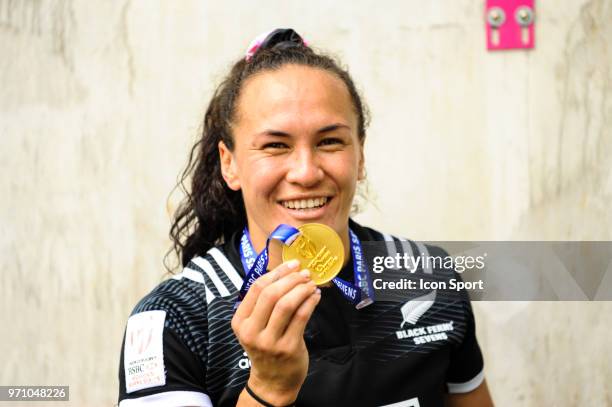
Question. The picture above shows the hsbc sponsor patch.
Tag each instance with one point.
(144, 351)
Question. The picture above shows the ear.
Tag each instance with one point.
(228, 167)
(361, 174)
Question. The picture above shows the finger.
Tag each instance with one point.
(271, 294)
(246, 306)
(295, 329)
(286, 307)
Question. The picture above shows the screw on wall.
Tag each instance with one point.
(496, 17)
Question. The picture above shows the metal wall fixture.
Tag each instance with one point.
(510, 24)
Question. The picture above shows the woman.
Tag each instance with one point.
(282, 144)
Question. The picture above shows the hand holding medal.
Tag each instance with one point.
(319, 249)
(278, 304)
(270, 323)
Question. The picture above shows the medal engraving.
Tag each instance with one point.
(322, 262)
(305, 247)
(319, 249)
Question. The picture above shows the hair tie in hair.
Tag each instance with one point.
(280, 38)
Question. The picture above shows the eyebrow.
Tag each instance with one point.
(322, 130)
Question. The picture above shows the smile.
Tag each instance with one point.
(304, 204)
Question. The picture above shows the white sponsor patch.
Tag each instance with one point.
(144, 351)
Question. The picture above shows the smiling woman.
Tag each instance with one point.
(282, 144)
(297, 152)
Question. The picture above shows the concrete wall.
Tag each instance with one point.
(100, 103)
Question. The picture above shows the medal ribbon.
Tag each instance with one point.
(361, 293)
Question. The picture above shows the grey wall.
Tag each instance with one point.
(100, 102)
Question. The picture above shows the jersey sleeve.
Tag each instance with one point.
(466, 372)
(161, 364)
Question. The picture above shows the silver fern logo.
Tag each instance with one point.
(415, 308)
(412, 311)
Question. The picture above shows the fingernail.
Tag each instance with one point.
(318, 291)
(293, 264)
(305, 273)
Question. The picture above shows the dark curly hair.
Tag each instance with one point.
(211, 212)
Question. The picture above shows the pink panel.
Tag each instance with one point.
(512, 27)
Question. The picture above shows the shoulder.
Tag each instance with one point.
(184, 302)
(204, 279)
(407, 271)
(395, 244)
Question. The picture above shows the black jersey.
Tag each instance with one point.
(179, 348)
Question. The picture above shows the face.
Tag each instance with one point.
(297, 155)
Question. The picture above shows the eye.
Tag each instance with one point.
(275, 145)
(331, 141)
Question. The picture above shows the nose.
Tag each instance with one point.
(304, 168)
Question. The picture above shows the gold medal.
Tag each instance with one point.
(319, 249)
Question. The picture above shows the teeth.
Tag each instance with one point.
(305, 203)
